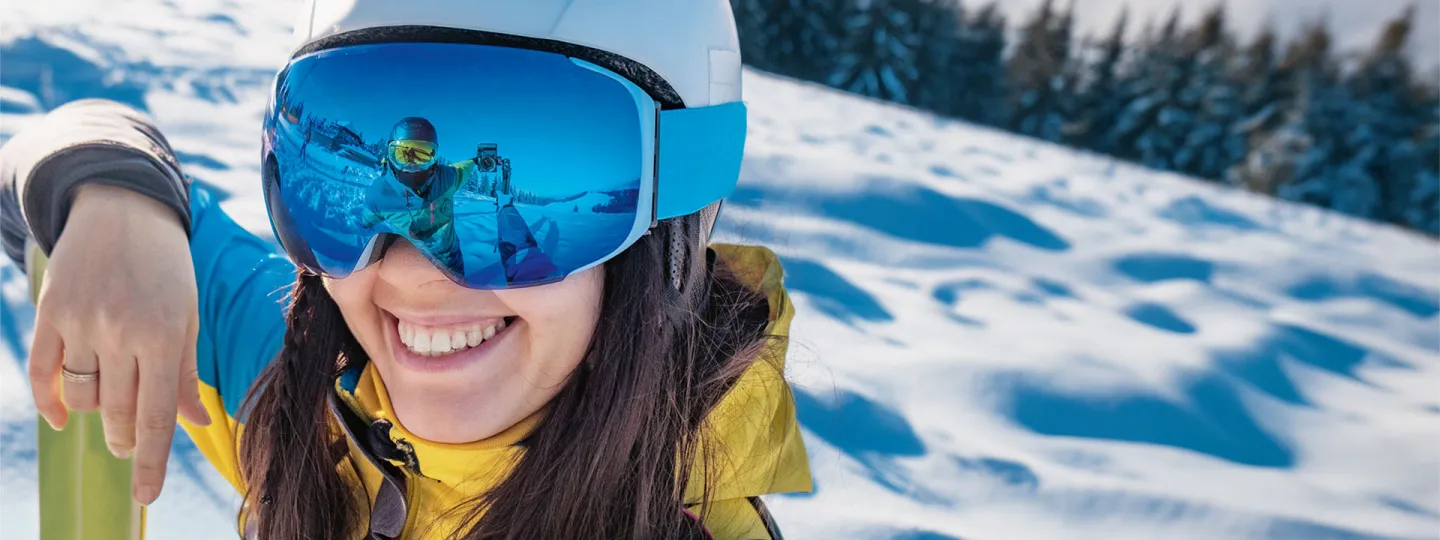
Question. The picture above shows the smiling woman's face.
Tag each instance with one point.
(419, 327)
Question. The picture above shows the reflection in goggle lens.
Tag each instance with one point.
(412, 156)
(538, 178)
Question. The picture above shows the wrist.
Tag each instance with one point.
(98, 197)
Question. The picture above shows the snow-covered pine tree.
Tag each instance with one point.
(823, 37)
(879, 53)
(1100, 99)
(1328, 168)
(1389, 121)
(1040, 75)
(981, 49)
(751, 19)
(784, 29)
(1265, 93)
(1072, 74)
(1211, 96)
(803, 36)
(1276, 100)
(1261, 102)
(1145, 90)
(1184, 118)
(1422, 211)
(940, 63)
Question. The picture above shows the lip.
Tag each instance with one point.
(447, 363)
(442, 320)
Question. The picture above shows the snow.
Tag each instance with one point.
(996, 337)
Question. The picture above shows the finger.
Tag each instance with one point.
(117, 402)
(80, 358)
(191, 407)
(45, 356)
(155, 427)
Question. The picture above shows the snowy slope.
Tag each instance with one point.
(997, 338)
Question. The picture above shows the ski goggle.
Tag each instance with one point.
(530, 166)
(412, 156)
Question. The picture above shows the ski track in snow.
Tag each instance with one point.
(996, 337)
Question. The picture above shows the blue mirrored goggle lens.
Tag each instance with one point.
(505, 167)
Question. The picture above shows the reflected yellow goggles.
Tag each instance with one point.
(412, 154)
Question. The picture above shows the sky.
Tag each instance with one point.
(1355, 23)
(588, 123)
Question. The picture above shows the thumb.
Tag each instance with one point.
(191, 407)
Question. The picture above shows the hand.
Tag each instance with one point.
(119, 299)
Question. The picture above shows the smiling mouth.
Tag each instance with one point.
(436, 341)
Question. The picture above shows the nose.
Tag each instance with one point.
(403, 266)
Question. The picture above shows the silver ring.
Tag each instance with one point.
(78, 377)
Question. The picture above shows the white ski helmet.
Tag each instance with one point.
(690, 44)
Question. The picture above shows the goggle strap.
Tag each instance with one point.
(700, 152)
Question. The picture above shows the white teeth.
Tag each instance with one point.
(431, 342)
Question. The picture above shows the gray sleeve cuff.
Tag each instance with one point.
(79, 143)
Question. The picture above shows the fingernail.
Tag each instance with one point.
(120, 453)
(205, 414)
(146, 494)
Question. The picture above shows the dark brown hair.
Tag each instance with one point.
(611, 457)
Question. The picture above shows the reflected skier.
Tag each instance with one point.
(414, 195)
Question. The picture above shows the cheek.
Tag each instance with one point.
(352, 295)
(561, 319)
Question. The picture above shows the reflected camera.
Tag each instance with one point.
(493, 176)
(487, 157)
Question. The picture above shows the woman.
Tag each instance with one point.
(635, 391)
